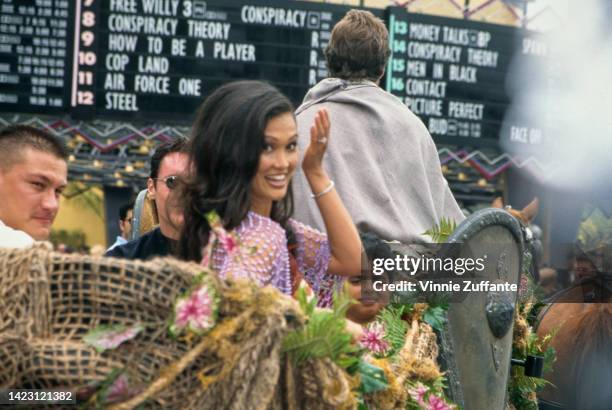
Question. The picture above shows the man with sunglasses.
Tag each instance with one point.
(168, 164)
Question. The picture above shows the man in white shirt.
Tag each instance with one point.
(125, 225)
(12, 238)
(33, 174)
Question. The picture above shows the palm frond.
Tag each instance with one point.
(395, 327)
(440, 232)
(324, 335)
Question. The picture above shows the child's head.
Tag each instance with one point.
(365, 309)
(367, 306)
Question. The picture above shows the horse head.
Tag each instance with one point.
(525, 215)
(532, 234)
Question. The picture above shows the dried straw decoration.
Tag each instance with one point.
(416, 361)
(49, 301)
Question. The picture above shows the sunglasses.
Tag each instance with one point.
(171, 181)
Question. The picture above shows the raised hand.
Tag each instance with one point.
(344, 242)
(319, 138)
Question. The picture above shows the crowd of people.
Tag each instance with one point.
(239, 164)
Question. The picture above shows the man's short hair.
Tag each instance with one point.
(178, 145)
(123, 211)
(358, 48)
(15, 138)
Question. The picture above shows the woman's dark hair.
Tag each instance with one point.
(227, 141)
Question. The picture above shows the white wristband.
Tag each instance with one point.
(325, 191)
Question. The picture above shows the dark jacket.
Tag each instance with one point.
(149, 245)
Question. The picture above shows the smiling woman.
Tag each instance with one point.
(244, 155)
(276, 164)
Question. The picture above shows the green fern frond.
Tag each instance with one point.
(395, 327)
(439, 384)
(440, 232)
(324, 335)
(306, 305)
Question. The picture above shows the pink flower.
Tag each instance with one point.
(437, 403)
(229, 243)
(196, 311)
(373, 339)
(418, 393)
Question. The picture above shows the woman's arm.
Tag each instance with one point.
(344, 242)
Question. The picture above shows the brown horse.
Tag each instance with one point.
(582, 372)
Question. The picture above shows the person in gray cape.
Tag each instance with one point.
(382, 159)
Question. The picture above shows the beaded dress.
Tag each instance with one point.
(263, 256)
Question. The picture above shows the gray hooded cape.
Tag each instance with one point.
(382, 159)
